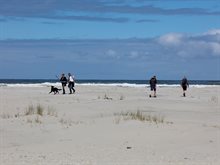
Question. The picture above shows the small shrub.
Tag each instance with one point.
(29, 121)
(122, 97)
(16, 115)
(140, 116)
(30, 110)
(69, 122)
(214, 99)
(40, 110)
(5, 116)
(34, 119)
(37, 120)
(107, 98)
(117, 120)
(51, 112)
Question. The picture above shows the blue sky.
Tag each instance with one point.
(110, 39)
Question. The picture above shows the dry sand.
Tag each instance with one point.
(93, 126)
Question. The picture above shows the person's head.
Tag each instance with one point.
(62, 74)
(69, 74)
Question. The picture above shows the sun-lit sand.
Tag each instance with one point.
(99, 125)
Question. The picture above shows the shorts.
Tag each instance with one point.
(184, 87)
(153, 88)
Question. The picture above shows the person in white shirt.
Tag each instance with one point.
(71, 83)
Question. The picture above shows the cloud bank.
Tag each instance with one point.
(169, 55)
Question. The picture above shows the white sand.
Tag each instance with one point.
(87, 129)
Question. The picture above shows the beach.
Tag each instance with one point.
(109, 125)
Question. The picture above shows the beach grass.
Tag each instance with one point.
(122, 97)
(139, 116)
(40, 110)
(106, 97)
(29, 110)
(34, 113)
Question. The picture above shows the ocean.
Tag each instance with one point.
(129, 83)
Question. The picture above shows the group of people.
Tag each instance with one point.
(153, 83)
(70, 81)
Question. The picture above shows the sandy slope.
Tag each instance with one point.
(86, 128)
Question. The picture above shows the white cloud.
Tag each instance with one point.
(186, 46)
(112, 53)
(213, 32)
(167, 54)
(134, 55)
(165, 47)
(183, 54)
(202, 48)
(171, 39)
(215, 48)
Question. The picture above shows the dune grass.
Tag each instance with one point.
(106, 97)
(31, 110)
(34, 113)
(214, 99)
(40, 110)
(122, 97)
(140, 116)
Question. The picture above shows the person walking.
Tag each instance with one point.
(71, 83)
(153, 84)
(63, 81)
(184, 85)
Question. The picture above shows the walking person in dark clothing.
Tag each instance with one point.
(153, 84)
(63, 81)
(184, 85)
(71, 83)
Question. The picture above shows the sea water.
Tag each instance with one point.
(123, 83)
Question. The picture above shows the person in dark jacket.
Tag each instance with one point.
(63, 81)
(184, 85)
(153, 85)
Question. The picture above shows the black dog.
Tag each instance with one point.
(54, 90)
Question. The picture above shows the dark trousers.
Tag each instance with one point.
(63, 87)
(71, 87)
